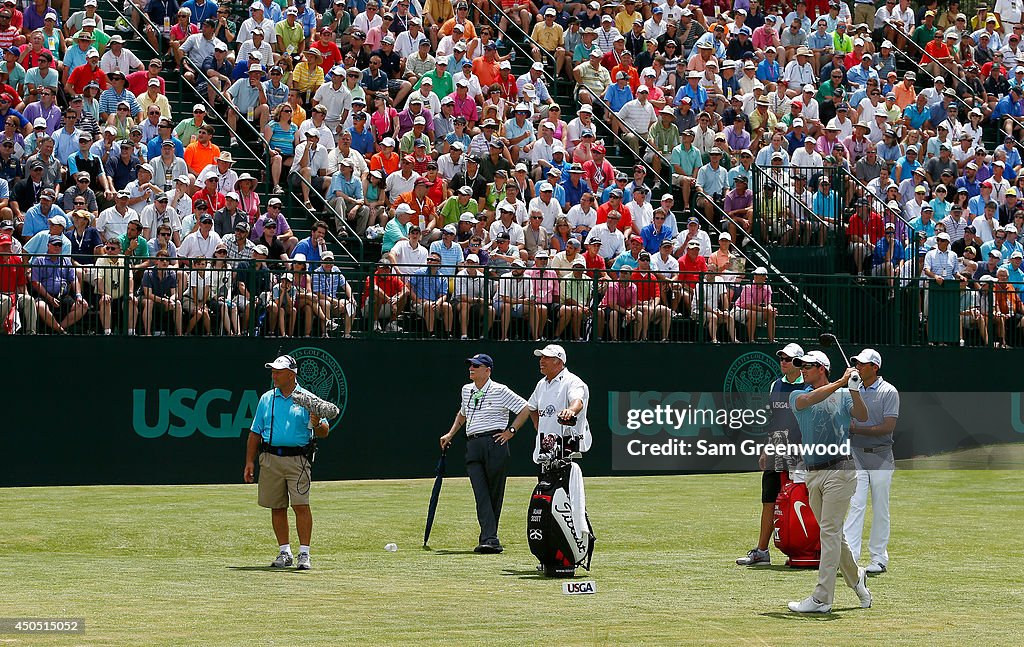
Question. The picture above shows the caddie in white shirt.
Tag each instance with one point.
(559, 396)
(871, 442)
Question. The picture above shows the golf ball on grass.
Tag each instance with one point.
(391, 548)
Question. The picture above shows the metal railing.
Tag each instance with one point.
(255, 297)
(597, 100)
(245, 133)
(791, 290)
(786, 218)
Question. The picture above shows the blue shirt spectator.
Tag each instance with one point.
(56, 275)
(428, 286)
(201, 10)
(618, 97)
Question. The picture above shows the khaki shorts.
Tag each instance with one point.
(283, 480)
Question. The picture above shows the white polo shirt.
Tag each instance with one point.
(550, 397)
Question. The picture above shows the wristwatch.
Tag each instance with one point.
(511, 430)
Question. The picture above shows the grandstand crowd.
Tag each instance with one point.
(494, 195)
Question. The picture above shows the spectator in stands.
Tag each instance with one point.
(470, 296)
(754, 306)
(650, 303)
(384, 297)
(57, 289)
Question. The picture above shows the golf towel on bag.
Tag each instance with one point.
(558, 528)
(796, 530)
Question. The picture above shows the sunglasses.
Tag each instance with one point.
(112, 248)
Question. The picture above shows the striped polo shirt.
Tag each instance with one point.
(487, 409)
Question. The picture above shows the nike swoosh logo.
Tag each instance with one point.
(800, 517)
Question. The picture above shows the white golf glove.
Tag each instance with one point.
(854, 382)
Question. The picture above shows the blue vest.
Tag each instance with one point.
(782, 416)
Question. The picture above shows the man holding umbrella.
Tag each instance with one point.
(484, 410)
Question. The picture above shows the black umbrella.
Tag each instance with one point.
(434, 494)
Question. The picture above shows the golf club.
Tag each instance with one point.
(827, 339)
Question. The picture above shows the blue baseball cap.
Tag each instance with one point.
(481, 359)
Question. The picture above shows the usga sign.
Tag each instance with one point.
(579, 588)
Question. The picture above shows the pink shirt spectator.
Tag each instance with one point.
(620, 294)
(466, 107)
(824, 146)
(545, 285)
(373, 37)
(755, 294)
(763, 37)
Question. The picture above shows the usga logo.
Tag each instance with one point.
(579, 588)
(227, 413)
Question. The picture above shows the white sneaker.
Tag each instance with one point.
(303, 563)
(284, 560)
(810, 605)
(875, 568)
(862, 589)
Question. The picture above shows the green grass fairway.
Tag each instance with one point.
(185, 566)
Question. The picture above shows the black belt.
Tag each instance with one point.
(874, 450)
(826, 465)
(283, 451)
(485, 434)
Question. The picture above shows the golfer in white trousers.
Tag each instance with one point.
(871, 442)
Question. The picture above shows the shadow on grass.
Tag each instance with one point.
(837, 614)
(445, 551)
(779, 568)
(265, 569)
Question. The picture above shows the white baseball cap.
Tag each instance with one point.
(868, 356)
(791, 350)
(551, 350)
(286, 362)
(813, 357)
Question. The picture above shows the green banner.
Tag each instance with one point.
(180, 411)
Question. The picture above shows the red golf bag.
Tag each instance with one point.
(796, 530)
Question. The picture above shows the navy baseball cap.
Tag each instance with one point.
(481, 359)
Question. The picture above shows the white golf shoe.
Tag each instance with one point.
(810, 605)
(862, 588)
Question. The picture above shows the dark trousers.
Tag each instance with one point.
(487, 466)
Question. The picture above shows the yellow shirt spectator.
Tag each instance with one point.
(548, 36)
(305, 79)
(624, 20)
(160, 102)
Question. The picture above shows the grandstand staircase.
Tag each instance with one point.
(799, 317)
(250, 152)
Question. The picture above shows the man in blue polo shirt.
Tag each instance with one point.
(430, 295)
(823, 411)
(281, 433)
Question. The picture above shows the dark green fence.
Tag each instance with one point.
(137, 410)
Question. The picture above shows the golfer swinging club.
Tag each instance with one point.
(282, 433)
(484, 410)
(823, 411)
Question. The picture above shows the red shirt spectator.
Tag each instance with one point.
(646, 285)
(599, 176)
(389, 283)
(330, 51)
(691, 265)
(874, 232)
(626, 218)
(214, 200)
(83, 74)
(138, 83)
